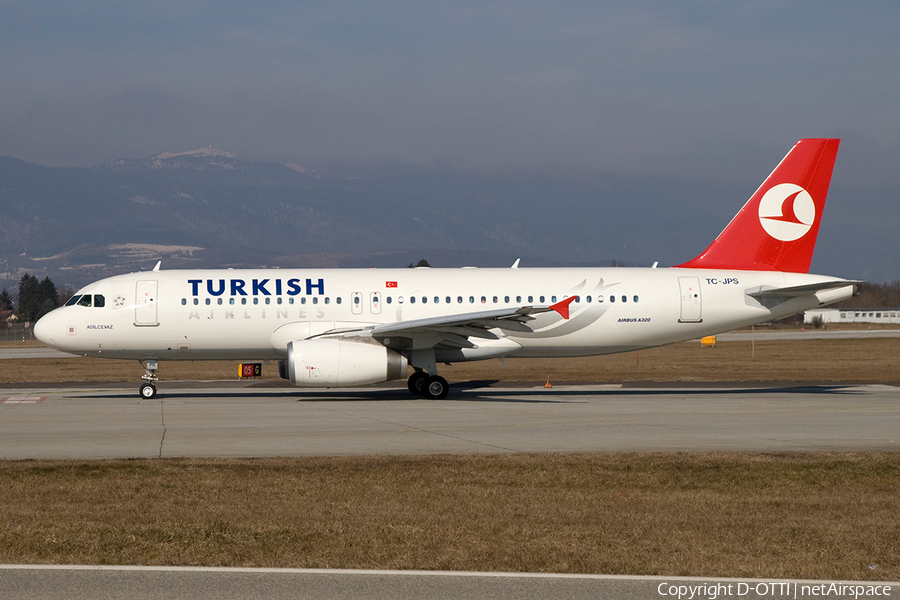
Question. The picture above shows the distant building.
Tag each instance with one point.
(853, 315)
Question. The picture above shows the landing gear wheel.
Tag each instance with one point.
(436, 388)
(416, 383)
(148, 389)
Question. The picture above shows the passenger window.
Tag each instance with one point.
(495, 299)
(530, 299)
(268, 301)
(424, 299)
(412, 299)
(612, 298)
(518, 299)
(231, 301)
(315, 299)
(459, 299)
(207, 301)
(588, 298)
(553, 299)
(506, 299)
(99, 301)
(635, 298)
(389, 300)
(338, 300)
(184, 301)
(219, 301)
(447, 300)
(85, 300)
(542, 300)
(243, 301)
(256, 301)
(327, 300)
(483, 299)
(624, 298)
(471, 299)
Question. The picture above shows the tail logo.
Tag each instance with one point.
(787, 212)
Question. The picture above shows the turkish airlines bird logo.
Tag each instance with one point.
(787, 212)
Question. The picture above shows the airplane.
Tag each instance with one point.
(352, 327)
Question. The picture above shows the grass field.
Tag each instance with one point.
(819, 516)
(816, 515)
(862, 360)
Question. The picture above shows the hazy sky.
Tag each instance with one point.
(690, 88)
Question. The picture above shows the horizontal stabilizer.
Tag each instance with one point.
(799, 290)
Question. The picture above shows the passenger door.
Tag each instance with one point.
(691, 302)
(145, 313)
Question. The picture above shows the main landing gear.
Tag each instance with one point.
(148, 388)
(433, 387)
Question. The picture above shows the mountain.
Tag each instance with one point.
(207, 208)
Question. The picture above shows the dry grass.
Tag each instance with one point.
(861, 360)
(821, 516)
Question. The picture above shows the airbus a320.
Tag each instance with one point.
(353, 327)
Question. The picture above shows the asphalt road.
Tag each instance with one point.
(139, 583)
(240, 419)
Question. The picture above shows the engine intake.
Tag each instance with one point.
(336, 363)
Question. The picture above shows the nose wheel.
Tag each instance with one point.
(148, 388)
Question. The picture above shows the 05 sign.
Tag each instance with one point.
(250, 370)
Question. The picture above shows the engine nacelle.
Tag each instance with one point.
(337, 363)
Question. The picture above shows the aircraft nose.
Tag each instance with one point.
(44, 330)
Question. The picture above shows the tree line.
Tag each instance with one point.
(36, 299)
(874, 295)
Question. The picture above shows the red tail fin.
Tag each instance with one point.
(776, 229)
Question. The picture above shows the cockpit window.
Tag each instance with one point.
(84, 300)
(73, 300)
(99, 301)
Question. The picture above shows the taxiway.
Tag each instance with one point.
(225, 419)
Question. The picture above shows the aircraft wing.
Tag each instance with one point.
(454, 330)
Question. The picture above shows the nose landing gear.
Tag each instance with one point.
(148, 388)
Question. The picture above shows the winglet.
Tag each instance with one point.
(156, 268)
(562, 307)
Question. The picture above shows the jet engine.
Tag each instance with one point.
(330, 362)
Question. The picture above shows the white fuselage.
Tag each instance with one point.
(254, 314)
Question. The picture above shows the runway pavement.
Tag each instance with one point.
(240, 419)
(136, 583)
